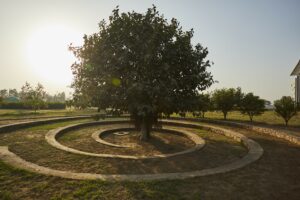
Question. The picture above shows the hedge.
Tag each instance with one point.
(20, 105)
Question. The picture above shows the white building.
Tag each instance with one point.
(296, 72)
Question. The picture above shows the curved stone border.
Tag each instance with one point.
(97, 136)
(52, 135)
(121, 134)
(15, 126)
(260, 129)
(254, 153)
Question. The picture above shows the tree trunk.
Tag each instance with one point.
(286, 122)
(225, 115)
(145, 131)
(251, 118)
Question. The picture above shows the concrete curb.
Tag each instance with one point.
(52, 135)
(260, 129)
(15, 126)
(254, 153)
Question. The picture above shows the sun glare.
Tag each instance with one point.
(48, 55)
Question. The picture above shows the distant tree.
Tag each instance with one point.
(58, 97)
(25, 92)
(143, 64)
(33, 97)
(239, 95)
(286, 108)
(3, 93)
(202, 105)
(80, 101)
(13, 93)
(252, 105)
(225, 99)
(69, 103)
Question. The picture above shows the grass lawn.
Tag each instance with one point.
(19, 114)
(268, 117)
(275, 176)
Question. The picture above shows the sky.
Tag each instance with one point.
(254, 44)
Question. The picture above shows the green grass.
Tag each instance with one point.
(268, 117)
(56, 125)
(19, 114)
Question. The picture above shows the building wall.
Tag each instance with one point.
(297, 89)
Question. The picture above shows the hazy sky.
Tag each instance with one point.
(254, 44)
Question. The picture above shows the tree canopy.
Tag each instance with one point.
(142, 63)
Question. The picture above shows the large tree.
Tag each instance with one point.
(141, 63)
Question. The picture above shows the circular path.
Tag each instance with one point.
(52, 135)
(254, 153)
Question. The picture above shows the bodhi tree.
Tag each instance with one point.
(141, 63)
(252, 105)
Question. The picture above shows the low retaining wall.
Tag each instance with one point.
(52, 135)
(20, 125)
(268, 131)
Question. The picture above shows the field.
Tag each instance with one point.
(268, 117)
(19, 114)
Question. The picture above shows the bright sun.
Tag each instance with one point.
(48, 55)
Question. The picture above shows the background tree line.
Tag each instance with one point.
(30, 97)
(230, 99)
